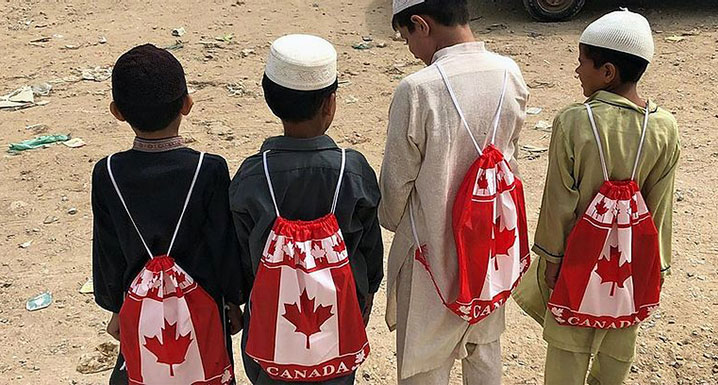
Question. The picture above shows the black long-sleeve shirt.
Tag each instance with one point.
(155, 186)
(304, 173)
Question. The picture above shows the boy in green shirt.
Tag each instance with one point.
(615, 51)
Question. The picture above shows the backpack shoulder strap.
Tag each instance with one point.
(186, 201)
(339, 183)
(643, 140)
(456, 105)
(598, 141)
(124, 204)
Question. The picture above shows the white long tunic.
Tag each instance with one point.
(428, 152)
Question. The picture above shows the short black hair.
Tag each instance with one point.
(630, 67)
(148, 87)
(293, 105)
(445, 12)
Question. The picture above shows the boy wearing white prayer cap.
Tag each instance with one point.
(428, 153)
(308, 172)
(615, 51)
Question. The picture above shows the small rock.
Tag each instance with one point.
(351, 99)
(178, 32)
(367, 38)
(534, 110)
(543, 125)
(246, 52)
(102, 359)
(72, 211)
(25, 245)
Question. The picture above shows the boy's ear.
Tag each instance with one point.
(329, 108)
(187, 105)
(610, 73)
(421, 25)
(116, 112)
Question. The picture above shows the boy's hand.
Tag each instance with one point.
(113, 327)
(367, 309)
(551, 276)
(234, 315)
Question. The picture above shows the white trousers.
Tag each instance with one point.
(481, 367)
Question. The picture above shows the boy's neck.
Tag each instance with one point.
(303, 130)
(628, 91)
(169, 132)
(451, 36)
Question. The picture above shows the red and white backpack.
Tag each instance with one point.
(489, 225)
(610, 275)
(306, 324)
(171, 330)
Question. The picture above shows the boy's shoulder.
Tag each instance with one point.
(253, 165)
(428, 75)
(212, 163)
(575, 112)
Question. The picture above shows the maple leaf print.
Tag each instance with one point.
(308, 320)
(601, 207)
(173, 348)
(503, 241)
(340, 247)
(611, 272)
(318, 251)
(483, 183)
(634, 207)
(272, 247)
(299, 253)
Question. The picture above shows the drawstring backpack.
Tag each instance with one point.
(171, 331)
(489, 225)
(610, 275)
(305, 322)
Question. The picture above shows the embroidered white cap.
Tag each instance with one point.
(400, 5)
(302, 63)
(622, 31)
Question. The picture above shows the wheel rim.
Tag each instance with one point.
(555, 6)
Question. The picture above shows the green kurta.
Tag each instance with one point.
(573, 178)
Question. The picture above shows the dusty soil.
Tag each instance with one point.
(677, 346)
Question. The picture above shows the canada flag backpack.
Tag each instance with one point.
(489, 225)
(610, 274)
(305, 322)
(171, 330)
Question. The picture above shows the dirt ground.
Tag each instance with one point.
(41, 189)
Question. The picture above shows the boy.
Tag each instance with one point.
(302, 168)
(615, 51)
(150, 94)
(428, 152)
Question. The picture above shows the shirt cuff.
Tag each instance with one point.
(548, 257)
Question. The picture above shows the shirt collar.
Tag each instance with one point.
(457, 49)
(286, 143)
(158, 145)
(620, 101)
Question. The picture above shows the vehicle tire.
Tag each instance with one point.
(553, 10)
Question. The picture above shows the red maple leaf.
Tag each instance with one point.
(308, 320)
(483, 183)
(299, 253)
(601, 207)
(634, 206)
(272, 247)
(503, 241)
(340, 247)
(611, 272)
(173, 348)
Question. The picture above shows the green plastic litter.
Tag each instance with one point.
(38, 142)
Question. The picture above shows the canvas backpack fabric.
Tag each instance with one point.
(489, 226)
(610, 274)
(171, 330)
(306, 324)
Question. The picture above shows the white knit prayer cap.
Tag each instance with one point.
(400, 5)
(302, 63)
(622, 31)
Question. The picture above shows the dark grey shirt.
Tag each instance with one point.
(304, 173)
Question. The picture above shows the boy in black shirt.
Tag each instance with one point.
(304, 165)
(150, 93)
